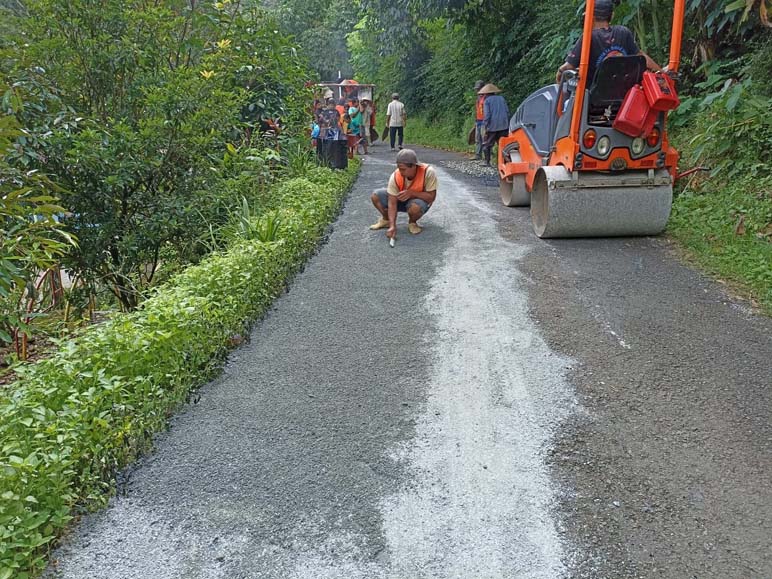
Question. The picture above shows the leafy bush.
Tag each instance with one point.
(727, 227)
(73, 419)
(32, 238)
(725, 217)
(131, 106)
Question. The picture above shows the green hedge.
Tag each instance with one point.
(72, 420)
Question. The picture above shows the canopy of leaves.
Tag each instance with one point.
(129, 107)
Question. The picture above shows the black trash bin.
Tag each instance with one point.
(339, 154)
(323, 152)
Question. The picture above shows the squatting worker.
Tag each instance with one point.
(496, 118)
(479, 120)
(412, 189)
(396, 119)
(606, 41)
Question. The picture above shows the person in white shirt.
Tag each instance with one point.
(396, 119)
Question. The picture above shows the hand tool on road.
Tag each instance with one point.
(595, 161)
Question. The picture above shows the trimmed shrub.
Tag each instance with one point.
(72, 420)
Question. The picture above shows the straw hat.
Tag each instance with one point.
(489, 89)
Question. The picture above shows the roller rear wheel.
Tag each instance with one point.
(514, 194)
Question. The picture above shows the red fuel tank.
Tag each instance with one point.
(660, 91)
(635, 117)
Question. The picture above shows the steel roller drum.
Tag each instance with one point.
(600, 204)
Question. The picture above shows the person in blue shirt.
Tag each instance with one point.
(495, 118)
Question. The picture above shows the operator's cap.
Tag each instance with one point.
(395, 95)
(407, 157)
(478, 85)
(603, 9)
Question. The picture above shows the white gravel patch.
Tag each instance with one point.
(472, 167)
(481, 501)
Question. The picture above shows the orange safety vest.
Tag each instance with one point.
(481, 108)
(418, 183)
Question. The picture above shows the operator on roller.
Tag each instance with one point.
(607, 41)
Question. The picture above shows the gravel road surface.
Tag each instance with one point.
(474, 403)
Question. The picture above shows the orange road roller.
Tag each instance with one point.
(594, 161)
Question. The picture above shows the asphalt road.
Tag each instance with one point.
(474, 403)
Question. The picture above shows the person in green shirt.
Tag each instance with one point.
(354, 128)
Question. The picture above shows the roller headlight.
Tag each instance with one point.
(604, 146)
(638, 145)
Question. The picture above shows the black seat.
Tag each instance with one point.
(615, 76)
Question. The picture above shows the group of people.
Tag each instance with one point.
(346, 118)
(353, 118)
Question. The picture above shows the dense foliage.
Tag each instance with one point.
(321, 29)
(76, 417)
(32, 239)
(134, 110)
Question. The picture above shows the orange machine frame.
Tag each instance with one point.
(565, 149)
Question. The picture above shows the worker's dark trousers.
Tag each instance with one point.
(393, 132)
(491, 139)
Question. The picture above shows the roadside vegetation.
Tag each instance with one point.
(432, 52)
(73, 419)
(134, 129)
(139, 153)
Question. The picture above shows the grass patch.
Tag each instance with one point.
(728, 231)
(439, 134)
(72, 420)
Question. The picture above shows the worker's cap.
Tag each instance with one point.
(603, 9)
(407, 157)
(479, 84)
(489, 89)
(395, 95)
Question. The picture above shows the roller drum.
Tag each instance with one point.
(600, 204)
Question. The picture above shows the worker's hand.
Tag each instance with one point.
(557, 76)
(404, 195)
(391, 232)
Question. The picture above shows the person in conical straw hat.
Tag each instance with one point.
(495, 118)
(489, 88)
(412, 189)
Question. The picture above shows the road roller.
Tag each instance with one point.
(595, 161)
